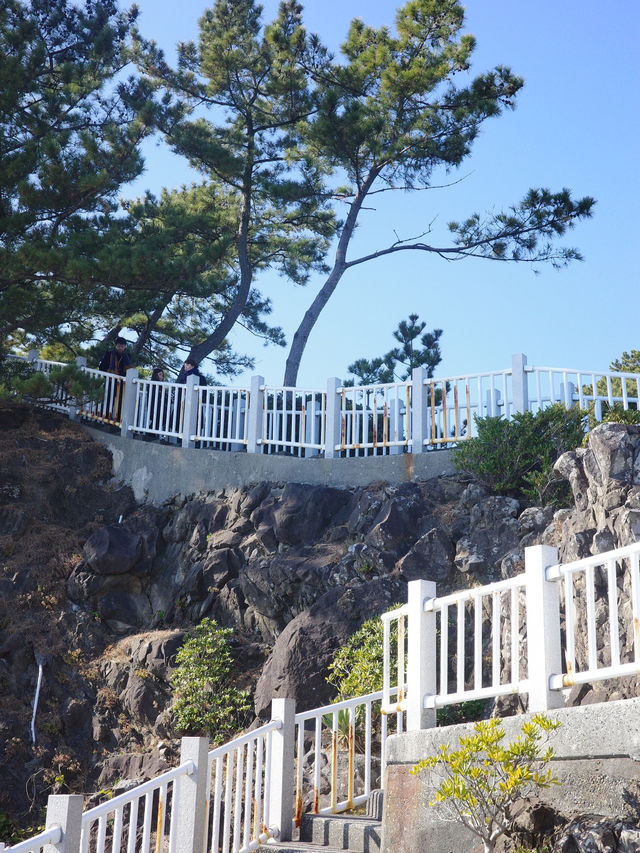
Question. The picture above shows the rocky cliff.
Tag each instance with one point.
(100, 592)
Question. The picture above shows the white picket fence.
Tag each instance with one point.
(416, 416)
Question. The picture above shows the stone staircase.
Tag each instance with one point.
(337, 833)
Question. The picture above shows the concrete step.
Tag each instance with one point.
(298, 847)
(355, 833)
(338, 833)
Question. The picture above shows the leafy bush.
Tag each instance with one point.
(615, 414)
(483, 780)
(205, 700)
(516, 457)
(357, 669)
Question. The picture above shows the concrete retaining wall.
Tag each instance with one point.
(157, 472)
(597, 760)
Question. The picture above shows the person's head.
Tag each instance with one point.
(157, 375)
(120, 344)
(190, 364)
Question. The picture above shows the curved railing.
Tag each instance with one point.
(418, 415)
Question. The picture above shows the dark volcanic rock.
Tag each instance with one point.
(297, 667)
(112, 550)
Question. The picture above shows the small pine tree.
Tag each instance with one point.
(398, 363)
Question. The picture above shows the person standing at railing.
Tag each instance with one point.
(116, 361)
(155, 400)
(189, 368)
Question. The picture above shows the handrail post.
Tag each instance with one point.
(190, 416)
(333, 428)
(543, 628)
(519, 383)
(256, 413)
(65, 811)
(32, 356)
(418, 410)
(421, 658)
(190, 799)
(282, 770)
(129, 391)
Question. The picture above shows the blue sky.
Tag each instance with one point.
(576, 125)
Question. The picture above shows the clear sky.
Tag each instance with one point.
(576, 125)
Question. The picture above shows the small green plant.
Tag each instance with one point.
(357, 669)
(357, 666)
(615, 414)
(205, 700)
(516, 457)
(483, 780)
(69, 383)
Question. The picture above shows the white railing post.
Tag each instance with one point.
(567, 390)
(519, 383)
(421, 657)
(255, 414)
(190, 414)
(544, 649)
(191, 796)
(33, 355)
(333, 428)
(312, 425)
(282, 770)
(493, 402)
(130, 389)
(65, 811)
(419, 405)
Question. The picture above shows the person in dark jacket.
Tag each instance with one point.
(157, 397)
(116, 361)
(190, 368)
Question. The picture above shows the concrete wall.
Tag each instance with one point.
(156, 472)
(597, 760)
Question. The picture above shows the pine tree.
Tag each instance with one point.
(392, 118)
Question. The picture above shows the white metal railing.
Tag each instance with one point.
(505, 637)
(239, 792)
(375, 418)
(455, 402)
(413, 416)
(222, 417)
(157, 409)
(353, 733)
(108, 408)
(570, 386)
(293, 420)
(132, 820)
(52, 835)
(44, 366)
(602, 601)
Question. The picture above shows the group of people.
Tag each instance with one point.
(117, 361)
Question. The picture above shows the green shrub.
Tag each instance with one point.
(516, 457)
(615, 414)
(69, 382)
(205, 700)
(357, 669)
(484, 781)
